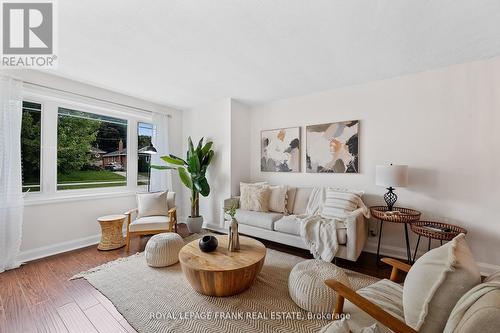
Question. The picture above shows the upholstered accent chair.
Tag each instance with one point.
(442, 292)
(156, 213)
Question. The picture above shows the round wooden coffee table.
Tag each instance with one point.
(222, 273)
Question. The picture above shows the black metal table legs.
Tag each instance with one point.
(379, 237)
(408, 251)
(428, 247)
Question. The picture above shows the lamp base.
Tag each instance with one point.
(390, 198)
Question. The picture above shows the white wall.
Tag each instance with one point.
(240, 145)
(56, 225)
(212, 121)
(443, 123)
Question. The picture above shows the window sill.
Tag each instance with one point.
(41, 199)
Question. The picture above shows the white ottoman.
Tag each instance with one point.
(307, 287)
(163, 249)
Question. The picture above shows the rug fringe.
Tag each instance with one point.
(103, 266)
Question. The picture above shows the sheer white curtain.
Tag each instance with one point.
(11, 196)
(161, 180)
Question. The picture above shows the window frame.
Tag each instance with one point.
(51, 101)
(143, 187)
(99, 114)
(33, 100)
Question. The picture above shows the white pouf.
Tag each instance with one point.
(306, 285)
(163, 249)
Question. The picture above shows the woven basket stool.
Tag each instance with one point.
(163, 249)
(306, 285)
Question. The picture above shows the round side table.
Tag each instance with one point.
(397, 215)
(435, 230)
(111, 236)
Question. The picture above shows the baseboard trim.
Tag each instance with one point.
(400, 253)
(50, 250)
(215, 227)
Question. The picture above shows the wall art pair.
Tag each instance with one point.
(330, 148)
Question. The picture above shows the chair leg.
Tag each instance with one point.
(127, 242)
(339, 308)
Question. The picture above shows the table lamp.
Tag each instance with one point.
(390, 177)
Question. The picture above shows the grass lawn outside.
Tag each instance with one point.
(89, 179)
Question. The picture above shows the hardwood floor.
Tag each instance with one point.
(39, 297)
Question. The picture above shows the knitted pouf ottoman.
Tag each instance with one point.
(306, 285)
(163, 249)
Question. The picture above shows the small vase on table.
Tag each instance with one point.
(234, 239)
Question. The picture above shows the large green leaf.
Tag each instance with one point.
(203, 187)
(185, 177)
(190, 146)
(206, 147)
(208, 158)
(173, 160)
(194, 164)
(163, 167)
(200, 143)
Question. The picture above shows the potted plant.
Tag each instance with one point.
(192, 174)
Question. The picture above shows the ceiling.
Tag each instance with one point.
(188, 52)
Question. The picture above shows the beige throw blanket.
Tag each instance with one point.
(320, 233)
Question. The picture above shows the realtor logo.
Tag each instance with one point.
(28, 34)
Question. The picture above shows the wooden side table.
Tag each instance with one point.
(397, 215)
(112, 234)
(430, 230)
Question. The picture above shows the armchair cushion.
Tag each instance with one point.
(159, 222)
(436, 282)
(152, 204)
(386, 294)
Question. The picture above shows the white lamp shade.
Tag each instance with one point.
(392, 175)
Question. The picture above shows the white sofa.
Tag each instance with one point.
(271, 226)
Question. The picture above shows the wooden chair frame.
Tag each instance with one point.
(372, 309)
(172, 226)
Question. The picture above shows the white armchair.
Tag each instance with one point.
(138, 225)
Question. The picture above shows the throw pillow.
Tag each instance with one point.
(290, 199)
(254, 197)
(278, 199)
(436, 282)
(152, 204)
(338, 204)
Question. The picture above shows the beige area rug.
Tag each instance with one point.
(161, 299)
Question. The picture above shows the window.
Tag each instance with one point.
(31, 145)
(144, 140)
(91, 150)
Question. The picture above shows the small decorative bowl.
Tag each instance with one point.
(208, 243)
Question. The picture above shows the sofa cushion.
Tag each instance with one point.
(151, 204)
(301, 199)
(278, 199)
(159, 222)
(291, 225)
(257, 219)
(436, 282)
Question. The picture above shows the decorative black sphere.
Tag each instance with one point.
(208, 243)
